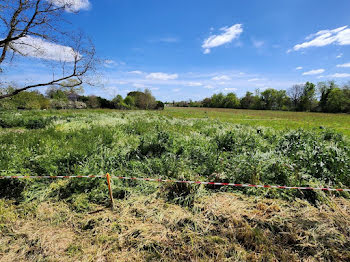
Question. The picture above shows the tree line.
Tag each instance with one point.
(70, 97)
(323, 97)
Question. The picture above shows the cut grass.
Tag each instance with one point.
(218, 227)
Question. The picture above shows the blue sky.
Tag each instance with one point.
(192, 49)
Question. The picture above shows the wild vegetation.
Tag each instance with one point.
(55, 219)
(326, 97)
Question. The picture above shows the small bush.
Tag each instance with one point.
(37, 123)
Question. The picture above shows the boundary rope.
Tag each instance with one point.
(182, 181)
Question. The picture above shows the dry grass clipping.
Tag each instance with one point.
(219, 227)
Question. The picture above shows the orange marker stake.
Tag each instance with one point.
(110, 190)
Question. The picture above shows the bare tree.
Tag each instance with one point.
(295, 93)
(32, 28)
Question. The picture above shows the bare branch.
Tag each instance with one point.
(31, 26)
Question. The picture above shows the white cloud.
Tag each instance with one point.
(117, 82)
(194, 84)
(340, 55)
(169, 40)
(140, 85)
(164, 40)
(228, 35)
(176, 90)
(206, 51)
(299, 68)
(72, 5)
(110, 63)
(344, 65)
(340, 75)
(209, 87)
(161, 76)
(230, 89)
(255, 79)
(258, 43)
(136, 72)
(221, 78)
(339, 36)
(39, 48)
(314, 72)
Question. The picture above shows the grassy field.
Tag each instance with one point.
(276, 119)
(55, 220)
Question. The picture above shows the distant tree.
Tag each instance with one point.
(137, 95)
(93, 102)
(25, 100)
(160, 105)
(217, 100)
(143, 100)
(66, 90)
(333, 98)
(247, 101)
(258, 103)
(206, 102)
(57, 93)
(269, 99)
(130, 101)
(283, 102)
(346, 90)
(324, 89)
(295, 93)
(105, 103)
(194, 104)
(118, 102)
(150, 101)
(337, 101)
(231, 101)
(72, 88)
(31, 100)
(307, 100)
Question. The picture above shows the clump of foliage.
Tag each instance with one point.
(25, 100)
